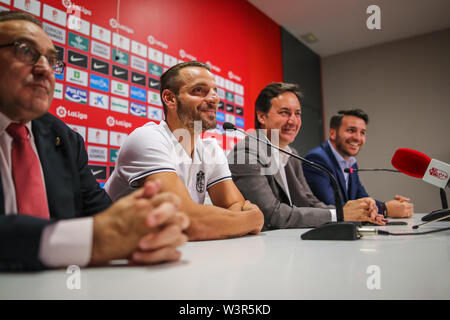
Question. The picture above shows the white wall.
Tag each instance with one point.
(404, 86)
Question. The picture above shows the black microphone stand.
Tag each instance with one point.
(339, 230)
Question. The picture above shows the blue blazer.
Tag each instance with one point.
(320, 184)
(72, 192)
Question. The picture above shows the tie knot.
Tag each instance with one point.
(17, 131)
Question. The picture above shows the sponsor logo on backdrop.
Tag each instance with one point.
(99, 83)
(111, 122)
(155, 69)
(220, 116)
(153, 41)
(139, 48)
(101, 34)
(119, 105)
(99, 66)
(99, 172)
(229, 85)
(116, 139)
(113, 153)
(79, 129)
(170, 61)
(71, 6)
(230, 108)
(98, 100)
(99, 154)
(229, 96)
(233, 76)
(62, 112)
(230, 118)
(138, 109)
(155, 55)
(78, 42)
(60, 52)
(138, 64)
(119, 72)
(138, 78)
(120, 88)
(77, 76)
(98, 136)
(239, 89)
(100, 50)
(154, 84)
(77, 59)
(79, 25)
(3, 8)
(30, 6)
(154, 98)
(213, 67)
(138, 93)
(239, 111)
(121, 42)
(221, 93)
(54, 15)
(58, 93)
(220, 81)
(185, 55)
(75, 94)
(121, 57)
(155, 113)
(240, 122)
(55, 33)
(221, 106)
(115, 24)
(239, 100)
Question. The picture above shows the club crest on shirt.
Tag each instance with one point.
(200, 183)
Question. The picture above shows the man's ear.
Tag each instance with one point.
(332, 134)
(262, 117)
(169, 98)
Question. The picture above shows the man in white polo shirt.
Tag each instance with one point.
(187, 165)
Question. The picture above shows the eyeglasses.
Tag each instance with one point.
(30, 55)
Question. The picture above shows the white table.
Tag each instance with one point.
(273, 265)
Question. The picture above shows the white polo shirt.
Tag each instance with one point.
(153, 148)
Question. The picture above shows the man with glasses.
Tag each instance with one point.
(45, 178)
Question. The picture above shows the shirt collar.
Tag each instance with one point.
(5, 122)
(341, 161)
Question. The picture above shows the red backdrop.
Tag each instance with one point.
(105, 99)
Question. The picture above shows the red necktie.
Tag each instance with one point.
(26, 170)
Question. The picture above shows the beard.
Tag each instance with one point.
(188, 116)
(340, 147)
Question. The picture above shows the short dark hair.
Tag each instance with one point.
(169, 79)
(335, 121)
(19, 15)
(264, 100)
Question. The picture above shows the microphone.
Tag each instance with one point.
(435, 172)
(330, 231)
(351, 170)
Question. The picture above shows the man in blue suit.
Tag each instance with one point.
(53, 213)
(347, 135)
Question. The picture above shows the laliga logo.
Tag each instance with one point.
(231, 75)
(437, 173)
(110, 121)
(113, 23)
(67, 3)
(182, 53)
(61, 112)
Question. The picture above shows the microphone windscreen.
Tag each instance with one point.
(411, 162)
(228, 126)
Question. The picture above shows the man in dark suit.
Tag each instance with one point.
(348, 131)
(275, 182)
(46, 182)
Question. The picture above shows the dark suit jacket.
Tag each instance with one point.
(320, 183)
(72, 192)
(268, 191)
